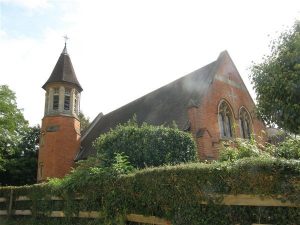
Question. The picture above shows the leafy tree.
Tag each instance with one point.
(18, 143)
(84, 121)
(146, 145)
(12, 124)
(277, 82)
(21, 165)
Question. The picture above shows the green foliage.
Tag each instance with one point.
(12, 124)
(21, 164)
(173, 192)
(146, 145)
(241, 148)
(18, 143)
(238, 149)
(87, 173)
(84, 121)
(49, 221)
(288, 149)
(121, 164)
(277, 82)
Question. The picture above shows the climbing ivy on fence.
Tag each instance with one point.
(170, 192)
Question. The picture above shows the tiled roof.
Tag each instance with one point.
(165, 105)
(63, 71)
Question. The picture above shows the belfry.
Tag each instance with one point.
(60, 131)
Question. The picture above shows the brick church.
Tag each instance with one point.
(212, 103)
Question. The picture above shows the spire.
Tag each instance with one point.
(65, 52)
(63, 70)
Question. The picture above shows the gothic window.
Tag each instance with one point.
(245, 123)
(56, 99)
(225, 120)
(67, 99)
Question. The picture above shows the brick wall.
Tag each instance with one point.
(227, 86)
(60, 142)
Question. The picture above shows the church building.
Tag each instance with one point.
(212, 103)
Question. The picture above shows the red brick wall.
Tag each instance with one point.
(60, 142)
(229, 86)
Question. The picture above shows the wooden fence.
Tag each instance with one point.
(237, 200)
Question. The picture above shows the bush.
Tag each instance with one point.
(288, 149)
(238, 149)
(92, 172)
(146, 145)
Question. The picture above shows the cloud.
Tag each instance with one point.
(122, 50)
(29, 4)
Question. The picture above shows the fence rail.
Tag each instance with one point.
(238, 200)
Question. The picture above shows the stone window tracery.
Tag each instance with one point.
(225, 120)
(245, 123)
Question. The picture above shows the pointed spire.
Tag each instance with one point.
(65, 52)
(63, 70)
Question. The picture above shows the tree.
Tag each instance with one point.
(12, 124)
(146, 145)
(21, 166)
(277, 82)
(84, 121)
(18, 143)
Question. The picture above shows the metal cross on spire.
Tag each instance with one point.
(65, 48)
(66, 39)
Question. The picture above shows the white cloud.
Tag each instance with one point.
(123, 49)
(29, 4)
(2, 33)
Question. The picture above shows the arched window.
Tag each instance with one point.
(67, 99)
(56, 99)
(245, 123)
(225, 120)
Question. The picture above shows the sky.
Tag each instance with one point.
(122, 50)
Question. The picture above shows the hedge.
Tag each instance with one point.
(175, 193)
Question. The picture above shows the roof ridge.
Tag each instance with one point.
(218, 62)
(156, 90)
(163, 105)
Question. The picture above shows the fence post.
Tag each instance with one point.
(10, 202)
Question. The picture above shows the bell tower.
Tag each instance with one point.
(60, 131)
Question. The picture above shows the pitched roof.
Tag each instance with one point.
(63, 71)
(165, 105)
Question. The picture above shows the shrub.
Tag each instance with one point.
(92, 172)
(146, 145)
(240, 148)
(288, 149)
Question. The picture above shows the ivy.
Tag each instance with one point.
(171, 192)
